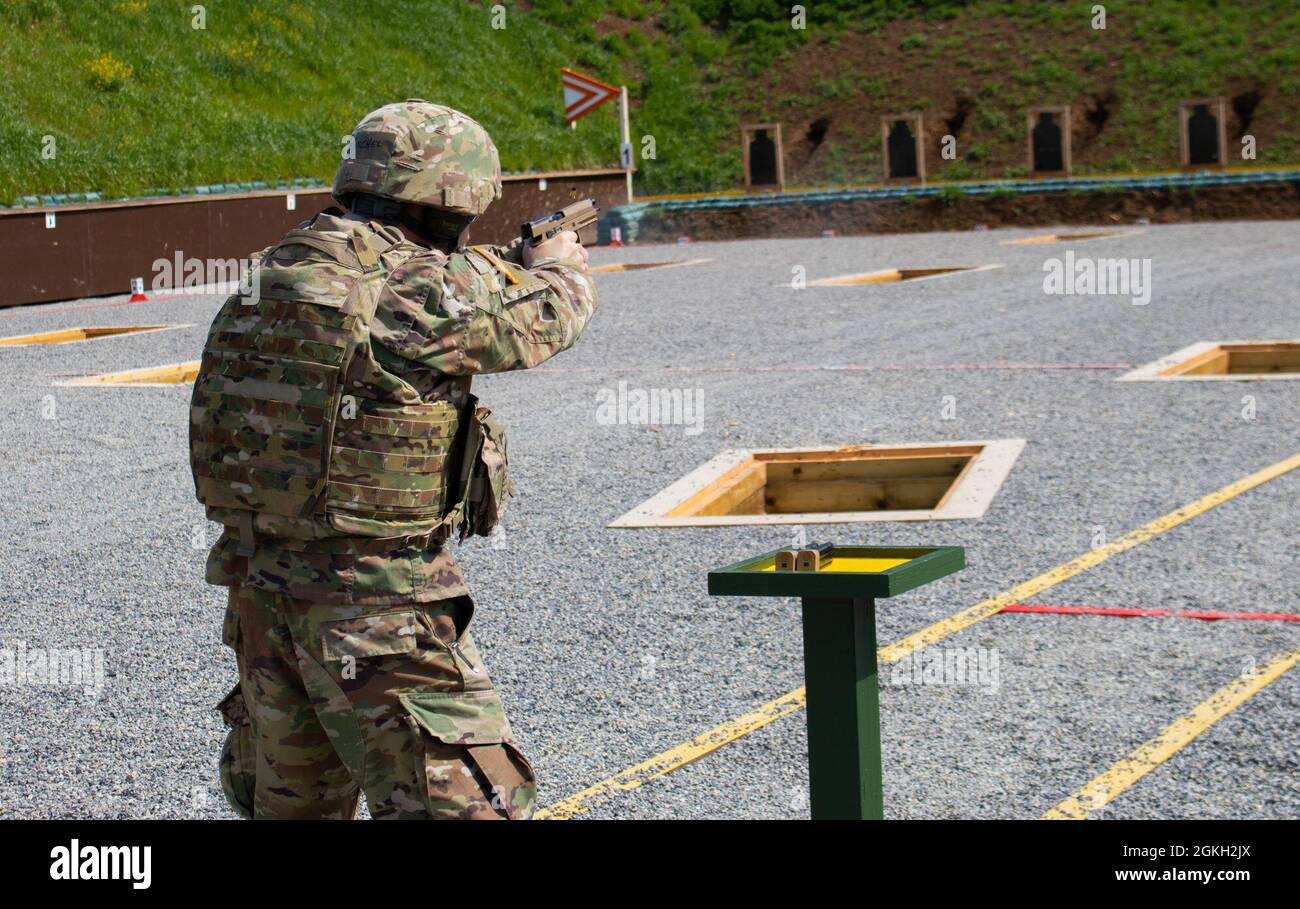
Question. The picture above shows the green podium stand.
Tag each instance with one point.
(839, 641)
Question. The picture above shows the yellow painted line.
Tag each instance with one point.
(1177, 735)
(1090, 559)
(696, 748)
(673, 758)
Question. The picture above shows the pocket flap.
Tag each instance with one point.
(233, 709)
(459, 717)
(230, 627)
(370, 636)
(526, 284)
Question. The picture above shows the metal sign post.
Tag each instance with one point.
(625, 148)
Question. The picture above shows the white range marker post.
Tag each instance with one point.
(625, 149)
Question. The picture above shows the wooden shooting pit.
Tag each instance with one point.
(1077, 237)
(1234, 361)
(762, 156)
(895, 275)
(171, 374)
(73, 335)
(613, 267)
(914, 482)
(1202, 133)
(1048, 134)
(902, 145)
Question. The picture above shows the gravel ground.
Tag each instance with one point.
(605, 644)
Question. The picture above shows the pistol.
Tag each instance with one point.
(574, 217)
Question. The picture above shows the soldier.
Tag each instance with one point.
(334, 435)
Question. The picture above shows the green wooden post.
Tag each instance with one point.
(839, 653)
(839, 641)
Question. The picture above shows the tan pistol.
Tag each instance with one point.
(574, 217)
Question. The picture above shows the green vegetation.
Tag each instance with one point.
(136, 99)
(950, 194)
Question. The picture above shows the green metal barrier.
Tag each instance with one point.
(839, 640)
(628, 217)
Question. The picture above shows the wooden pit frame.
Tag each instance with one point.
(918, 130)
(620, 267)
(969, 496)
(1162, 370)
(1219, 108)
(1080, 235)
(169, 374)
(1063, 114)
(56, 336)
(747, 130)
(895, 275)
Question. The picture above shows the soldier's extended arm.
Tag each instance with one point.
(482, 313)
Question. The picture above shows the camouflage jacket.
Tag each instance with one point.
(440, 318)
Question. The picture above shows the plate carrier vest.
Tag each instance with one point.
(296, 432)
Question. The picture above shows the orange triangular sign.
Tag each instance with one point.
(583, 94)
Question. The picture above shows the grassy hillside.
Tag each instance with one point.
(137, 99)
(973, 72)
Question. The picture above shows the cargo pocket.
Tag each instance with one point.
(366, 636)
(238, 759)
(489, 483)
(471, 767)
(406, 644)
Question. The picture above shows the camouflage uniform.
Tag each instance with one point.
(347, 616)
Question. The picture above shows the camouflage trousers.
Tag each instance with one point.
(393, 701)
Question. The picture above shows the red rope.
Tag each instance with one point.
(1128, 612)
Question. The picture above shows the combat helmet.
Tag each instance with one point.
(417, 151)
